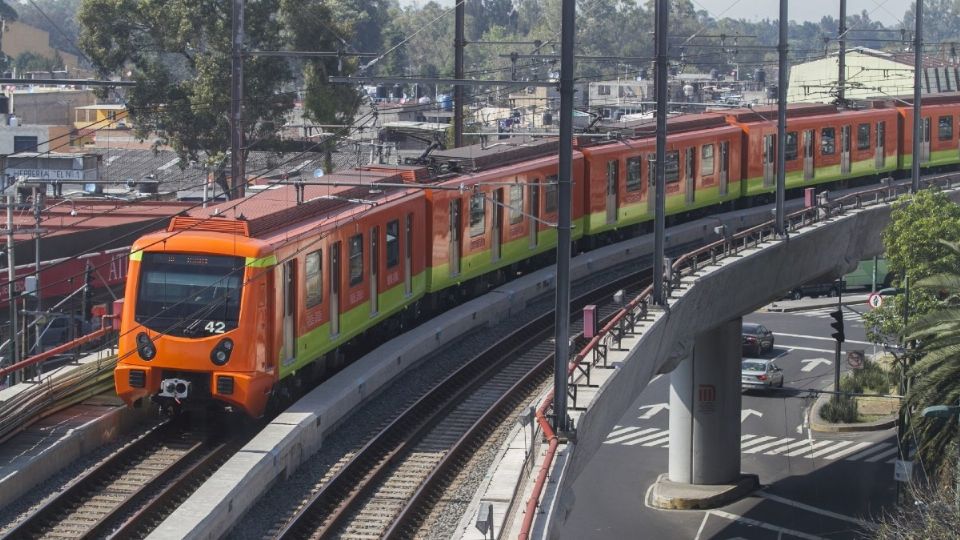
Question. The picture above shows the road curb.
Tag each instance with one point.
(786, 306)
(819, 424)
(669, 495)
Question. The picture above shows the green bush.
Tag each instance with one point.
(851, 383)
(840, 409)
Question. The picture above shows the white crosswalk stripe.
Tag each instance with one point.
(768, 445)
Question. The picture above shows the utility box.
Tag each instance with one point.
(590, 322)
(808, 197)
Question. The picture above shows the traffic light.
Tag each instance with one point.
(837, 325)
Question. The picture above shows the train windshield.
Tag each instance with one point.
(189, 295)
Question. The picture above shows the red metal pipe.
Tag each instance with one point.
(36, 359)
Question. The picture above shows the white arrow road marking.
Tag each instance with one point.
(746, 413)
(810, 364)
(822, 338)
(653, 410)
(812, 349)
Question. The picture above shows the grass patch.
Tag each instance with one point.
(872, 378)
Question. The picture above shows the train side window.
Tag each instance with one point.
(314, 271)
(945, 128)
(478, 209)
(790, 147)
(671, 167)
(356, 259)
(516, 204)
(633, 174)
(393, 243)
(706, 160)
(551, 194)
(828, 141)
(863, 136)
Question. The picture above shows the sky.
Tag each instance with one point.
(889, 12)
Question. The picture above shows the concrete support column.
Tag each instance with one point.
(705, 410)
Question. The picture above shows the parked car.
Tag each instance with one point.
(757, 339)
(815, 290)
(760, 373)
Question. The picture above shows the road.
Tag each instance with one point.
(814, 485)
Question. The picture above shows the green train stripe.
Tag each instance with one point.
(262, 262)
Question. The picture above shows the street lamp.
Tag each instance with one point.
(947, 411)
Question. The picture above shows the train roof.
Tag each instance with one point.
(767, 113)
(279, 207)
(478, 157)
(647, 127)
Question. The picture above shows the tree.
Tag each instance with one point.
(911, 242)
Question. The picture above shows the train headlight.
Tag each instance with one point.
(221, 353)
(145, 348)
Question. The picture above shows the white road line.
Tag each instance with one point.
(795, 348)
(868, 451)
(828, 449)
(883, 455)
(791, 446)
(778, 334)
(706, 515)
(763, 447)
(764, 525)
(638, 440)
(849, 450)
(814, 509)
(810, 448)
(758, 440)
(658, 441)
(665, 443)
(618, 430)
(632, 436)
(746, 437)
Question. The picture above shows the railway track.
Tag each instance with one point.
(125, 495)
(387, 488)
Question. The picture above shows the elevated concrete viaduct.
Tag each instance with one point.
(697, 340)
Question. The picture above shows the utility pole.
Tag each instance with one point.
(660, 33)
(564, 193)
(917, 67)
(38, 196)
(458, 43)
(782, 80)
(11, 278)
(842, 76)
(237, 173)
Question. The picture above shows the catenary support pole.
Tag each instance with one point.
(562, 328)
(458, 44)
(782, 79)
(660, 31)
(237, 174)
(11, 279)
(917, 71)
(38, 196)
(842, 38)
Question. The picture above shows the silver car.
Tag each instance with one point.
(760, 373)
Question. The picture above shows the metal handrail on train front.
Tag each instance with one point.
(688, 264)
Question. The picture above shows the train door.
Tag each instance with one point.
(880, 157)
(454, 250)
(691, 179)
(651, 184)
(769, 159)
(808, 165)
(724, 171)
(613, 174)
(408, 257)
(289, 311)
(844, 149)
(496, 237)
(335, 289)
(534, 212)
(374, 269)
(925, 140)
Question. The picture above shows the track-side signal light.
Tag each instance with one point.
(837, 325)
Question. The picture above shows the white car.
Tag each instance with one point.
(760, 373)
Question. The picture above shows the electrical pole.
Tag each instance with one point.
(237, 173)
(38, 195)
(11, 278)
(917, 67)
(458, 43)
(660, 33)
(564, 192)
(842, 76)
(782, 80)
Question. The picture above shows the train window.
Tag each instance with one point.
(945, 128)
(516, 204)
(356, 259)
(671, 167)
(633, 174)
(551, 188)
(706, 160)
(863, 136)
(393, 243)
(312, 267)
(790, 146)
(828, 141)
(478, 210)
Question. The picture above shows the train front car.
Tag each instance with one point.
(194, 321)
